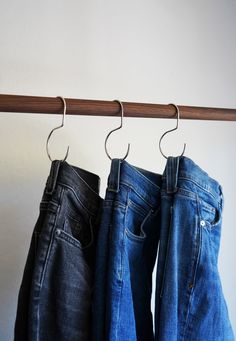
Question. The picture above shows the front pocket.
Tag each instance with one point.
(210, 215)
(135, 220)
(210, 219)
(79, 230)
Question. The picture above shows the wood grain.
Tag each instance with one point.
(54, 105)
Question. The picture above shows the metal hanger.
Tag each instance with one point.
(60, 126)
(113, 130)
(168, 131)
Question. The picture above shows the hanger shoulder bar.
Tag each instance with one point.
(53, 105)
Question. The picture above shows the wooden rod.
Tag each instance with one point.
(54, 105)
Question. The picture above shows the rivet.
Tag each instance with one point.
(202, 223)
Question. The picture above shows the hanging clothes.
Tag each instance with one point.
(189, 300)
(126, 254)
(55, 296)
(88, 274)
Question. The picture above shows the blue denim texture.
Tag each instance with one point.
(55, 296)
(190, 305)
(126, 254)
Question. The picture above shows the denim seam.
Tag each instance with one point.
(181, 192)
(167, 253)
(206, 189)
(193, 282)
(81, 179)
(123, 236)
(46, 202)
(135, 207)
(142, 237)
(120, 290)
(73, 191)
(63, 235)
(113, 204)
(115, 207)
(216, 211)
(129, 204)
(121, 271)
(213, 261)
(209, 208)
(189, 194)
(49, 206)
(133, 237)
(142, 175)
(69, 215)
(51, 240)
(188, 176)
(44, 270)
(138, 194)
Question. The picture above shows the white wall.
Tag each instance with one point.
(146, 51)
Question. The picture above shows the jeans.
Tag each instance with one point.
(190, 305)
(89, 269)
(126, 253)
(54, 301)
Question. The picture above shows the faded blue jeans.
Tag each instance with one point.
(190, 305)
(126, 254)
(55, 296)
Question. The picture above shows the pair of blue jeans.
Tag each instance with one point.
(181, 212)
(189, 300)
(126, 253)
(55, 296)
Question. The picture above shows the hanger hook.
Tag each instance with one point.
(60, 126)
(168, 131)
(113, 130)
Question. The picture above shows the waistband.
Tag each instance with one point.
(184, 168)
(82, 182)
(145, 183)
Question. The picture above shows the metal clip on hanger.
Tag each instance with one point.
(168, 131)
(62, 125)
(113, 130)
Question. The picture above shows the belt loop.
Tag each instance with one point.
(114, 177)
(172, 174)
(52, 178)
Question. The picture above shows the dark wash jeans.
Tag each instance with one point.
(54, 301)
(190, 305)
(126, 253)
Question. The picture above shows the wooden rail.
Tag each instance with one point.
(54, 105)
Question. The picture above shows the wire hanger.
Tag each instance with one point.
(113, 130)
(168, 131)
(60, 126)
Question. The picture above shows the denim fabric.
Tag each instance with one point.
(55, 295)
(128, 239)
(189, 301)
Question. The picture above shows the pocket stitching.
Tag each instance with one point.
(142, 237)
(209, 208)
(73, 240)
(137, 208)
(135, 237)
(60, 234)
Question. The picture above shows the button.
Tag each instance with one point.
(202, 223)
